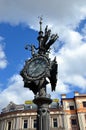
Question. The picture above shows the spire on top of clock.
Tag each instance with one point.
(40, 22)
(40, 37)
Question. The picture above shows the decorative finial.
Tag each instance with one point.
(40, 22)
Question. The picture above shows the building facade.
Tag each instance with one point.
(74, 111)
(69, 115)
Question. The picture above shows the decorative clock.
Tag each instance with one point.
(40, 70)
(37, 68)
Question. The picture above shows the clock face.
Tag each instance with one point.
(37, 67)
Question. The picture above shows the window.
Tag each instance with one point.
(9, 125)
(35, 123)
(71, 107)
(73, 122)
(85, 117)
(25, 123)
(84, 104)
(55, 122)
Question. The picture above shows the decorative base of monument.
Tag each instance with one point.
(43, 113)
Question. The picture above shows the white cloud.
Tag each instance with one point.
(3, 60)
(83, 31)
(54, 12)
(62, 17)
(77, 80)
(72, 63)
(15, 92)
(71, 60)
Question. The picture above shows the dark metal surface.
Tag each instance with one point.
(35, 75)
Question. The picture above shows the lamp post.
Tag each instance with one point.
(35, 74)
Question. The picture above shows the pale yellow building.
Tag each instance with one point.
(70, 114)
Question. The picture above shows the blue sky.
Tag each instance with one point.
(19, 25)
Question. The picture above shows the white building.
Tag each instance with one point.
(71, 115)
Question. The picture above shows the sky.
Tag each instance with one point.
(19, 25)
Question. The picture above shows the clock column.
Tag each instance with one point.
(42, 100)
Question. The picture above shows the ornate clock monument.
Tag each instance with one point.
(36, 72)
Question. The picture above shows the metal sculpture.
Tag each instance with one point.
(35, 74)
